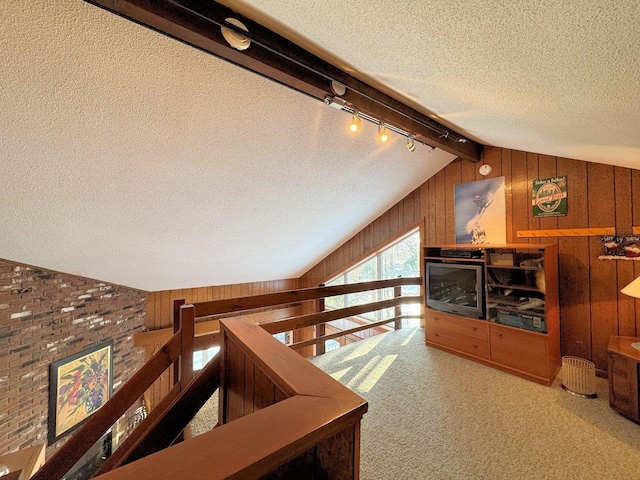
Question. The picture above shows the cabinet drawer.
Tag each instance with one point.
(463, 343)
(621, 391)
(478, 329)
(520, 349)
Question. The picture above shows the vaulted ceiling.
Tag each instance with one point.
(133, 158)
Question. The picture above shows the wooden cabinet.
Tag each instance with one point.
(465, 335)
(624, 373)
(519, 331)
(519, 349)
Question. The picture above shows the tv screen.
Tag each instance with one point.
(455, 288)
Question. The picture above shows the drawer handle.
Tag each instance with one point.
(475, 346)
(436, 334)
(475, 329)
(499, 334)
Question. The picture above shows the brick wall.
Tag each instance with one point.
(47, 316)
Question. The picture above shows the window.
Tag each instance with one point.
(400, 259)
(284, 337)
(331, 345)
(201, 357)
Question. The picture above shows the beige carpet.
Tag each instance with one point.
(433, 415)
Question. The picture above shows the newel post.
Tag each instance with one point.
(184, 322)
(187, 328)
(320, 328)
(176, 328)
(397, 292)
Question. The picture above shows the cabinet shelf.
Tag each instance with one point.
(513, 267)
(511, 286)
(538, 312)
(520, 328)
(456, 259)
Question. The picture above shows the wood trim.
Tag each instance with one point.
(161, 335)
(124, 451)
(329, 315)
(342, 333)
(253, 445)
(175, 417)
(279, 59)
(215, 307)
(27, 460)
(567, 232)
(419, 225)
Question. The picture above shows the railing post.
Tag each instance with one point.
(320, 328)
(397, 292)
(176, 328)
(187, 318)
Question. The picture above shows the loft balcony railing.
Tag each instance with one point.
(279, 416)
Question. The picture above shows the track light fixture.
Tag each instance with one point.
(411, 144)
(354, 126)
(383, 136)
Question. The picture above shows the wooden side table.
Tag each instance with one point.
(624, 371)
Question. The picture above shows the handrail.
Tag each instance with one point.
(161, 431)
(214, 307)
(67, 456)
(312, 319)
(296, 383)
(317, 407)
(349, 331)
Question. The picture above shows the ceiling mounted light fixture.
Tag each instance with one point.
(383, 136)
(354, 126)
(411, 143)
(233, 38)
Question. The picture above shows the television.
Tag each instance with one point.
(455, 288)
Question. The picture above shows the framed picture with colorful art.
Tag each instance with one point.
(79, 386)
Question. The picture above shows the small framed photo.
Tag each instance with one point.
(79, 386)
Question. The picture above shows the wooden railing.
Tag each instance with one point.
(278, 413)
(103, 419)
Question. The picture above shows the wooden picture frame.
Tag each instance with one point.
(79, 385)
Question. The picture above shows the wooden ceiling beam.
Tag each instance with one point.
(197, 22)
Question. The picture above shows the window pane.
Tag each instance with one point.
(338, 300)
(402, 259)
(365, 272)
(284, 337)
(331, 345)
(202, 357)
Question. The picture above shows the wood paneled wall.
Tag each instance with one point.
(160, 304)
(398, 219)
(160, 315)
(591, 306)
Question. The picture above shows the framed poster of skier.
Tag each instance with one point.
(481, 212)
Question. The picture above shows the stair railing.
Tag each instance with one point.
(278, 412)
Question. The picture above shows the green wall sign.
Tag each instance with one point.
(549, 197)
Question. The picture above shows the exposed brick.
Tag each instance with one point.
(36, 331)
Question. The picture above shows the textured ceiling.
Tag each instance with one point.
(132, 158)
(555, 77)
(129, 157)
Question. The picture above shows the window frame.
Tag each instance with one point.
(414, 229)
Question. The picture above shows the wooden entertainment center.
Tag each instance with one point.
(519, 328)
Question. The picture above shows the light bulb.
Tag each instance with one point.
(411, 144)
(382, 133)
(354, 126)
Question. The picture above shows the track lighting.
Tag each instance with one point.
(233, 38)
(354, 126)
(411, 144)
(383, 136)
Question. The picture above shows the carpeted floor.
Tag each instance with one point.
(433, 415)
